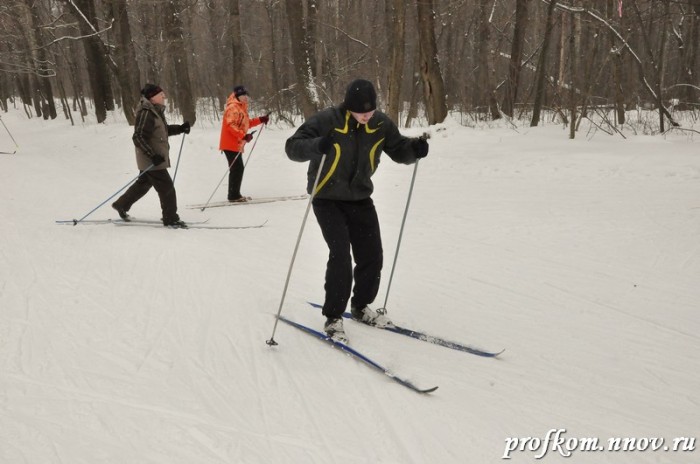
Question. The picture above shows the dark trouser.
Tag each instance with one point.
(346, 226)
(235, 174)
(159, 180)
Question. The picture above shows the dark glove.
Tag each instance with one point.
(326, 142)
(248, 137)
(157, 159)
(265, 119)
(185, 127)
(420, 147)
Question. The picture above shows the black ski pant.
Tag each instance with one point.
(159, 180)
(235, 174)
(350, 226)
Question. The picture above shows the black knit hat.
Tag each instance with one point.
(150, 90)
(240, 90)
(360, 97)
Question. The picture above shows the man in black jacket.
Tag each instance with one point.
(352, 136)
(151, 132)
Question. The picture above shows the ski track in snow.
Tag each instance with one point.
(147, 345)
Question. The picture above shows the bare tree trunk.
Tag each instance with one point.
(686, 47)
(64, 101)
(301, 51)
(485, 64)
(573, 62)
(4, 92)
(221, 77)
(542, 65)
(661, 68)
(269, 7)
(655, 62)
(5, 81)
(433, 85)
(96, 58)
(590, 77)
(68, 54)
(310, 37)
(396, 19)
(413, 104)
(25, 21)
(24, 89)
(41, 91)
(691, 68)
(342, 48)
(617, 69)
(175, 32)
(564, 31)
(516, 56)
(127, 74)
(237, 69)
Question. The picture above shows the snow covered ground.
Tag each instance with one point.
(145, 345)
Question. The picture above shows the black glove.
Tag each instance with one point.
(157, 159)
(326, 142)
(265, 119)
(248, 137)
(185, 127)
(420, 147)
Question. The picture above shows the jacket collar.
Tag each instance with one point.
(233, 101)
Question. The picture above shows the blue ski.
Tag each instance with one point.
(428, 338)
(356, 354)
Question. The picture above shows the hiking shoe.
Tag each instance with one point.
(122, 213)
(368, 316)
(175, 224)
(334, 329)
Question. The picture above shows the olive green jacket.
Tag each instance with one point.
(151, 132)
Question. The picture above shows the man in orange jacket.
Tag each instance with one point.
(234, 136)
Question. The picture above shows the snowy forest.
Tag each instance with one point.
(483, 59)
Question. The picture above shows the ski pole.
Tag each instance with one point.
(178, 157)
(272, 341)
(253, 148)
(77, 221)
(220, 181)
(228, 169)
(13, 139)
(383, 309)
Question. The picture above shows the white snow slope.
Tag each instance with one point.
(146, 345)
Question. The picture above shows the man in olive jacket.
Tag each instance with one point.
(352, 136)
(151, 132)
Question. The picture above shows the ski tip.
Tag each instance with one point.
(411, 385)
(483, 353)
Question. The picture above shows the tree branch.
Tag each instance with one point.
(640, 65)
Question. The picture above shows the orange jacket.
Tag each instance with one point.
(235, 125)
